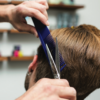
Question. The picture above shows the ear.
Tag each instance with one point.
(33, 64)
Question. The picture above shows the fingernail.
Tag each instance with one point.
(47, 23)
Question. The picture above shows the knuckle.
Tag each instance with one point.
(66, 82)
(19, 8)
(35, 12)
(19, 29)
(73, 91)
(50, 89)
(47, 87)
(43, 8)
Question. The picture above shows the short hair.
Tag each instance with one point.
(80, 49)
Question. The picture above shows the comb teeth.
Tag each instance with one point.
(46, 38)
(51, 44)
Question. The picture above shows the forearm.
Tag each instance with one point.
(4, 12)
(16, 14)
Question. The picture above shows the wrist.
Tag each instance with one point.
(9, 12)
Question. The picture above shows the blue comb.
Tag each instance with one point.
(46, 38)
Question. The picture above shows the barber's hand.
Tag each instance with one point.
(35, 9)
(50, 89)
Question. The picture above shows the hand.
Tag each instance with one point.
(35, 9)
(50, 89)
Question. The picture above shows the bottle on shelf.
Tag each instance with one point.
(67, 20)
(59, 20)
(55, 1)
(72, 2)
(17, 52)
(68, 2)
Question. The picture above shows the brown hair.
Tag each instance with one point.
(80, 49)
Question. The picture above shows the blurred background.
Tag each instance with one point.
(17, 49)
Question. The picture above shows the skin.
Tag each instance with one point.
(44, 89)
(50, 89)
(16, 14)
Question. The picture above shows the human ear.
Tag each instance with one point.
(33, 64)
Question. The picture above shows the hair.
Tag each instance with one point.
(80, 49)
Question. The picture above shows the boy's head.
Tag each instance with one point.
(80, 49)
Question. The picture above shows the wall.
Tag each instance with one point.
(90, 14)
(12, 74)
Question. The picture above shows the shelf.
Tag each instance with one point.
(27, 58)
(3, 2)
(65, 7)
(3, 30)
(54, 6)
(16, 2)
(16, 31)
(3, 58)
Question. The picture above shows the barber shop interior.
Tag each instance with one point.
(53, 39)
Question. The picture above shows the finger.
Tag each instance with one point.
(37, 6)
(56, 97)
(43, 2)
(41, 8)
(66, 92)
(35, 13)
(28, 28)
(56, 82)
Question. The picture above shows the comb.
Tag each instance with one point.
(46, 38)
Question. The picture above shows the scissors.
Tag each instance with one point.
(55, 66)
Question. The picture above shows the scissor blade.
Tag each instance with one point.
(52, 64)
(57, 58)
